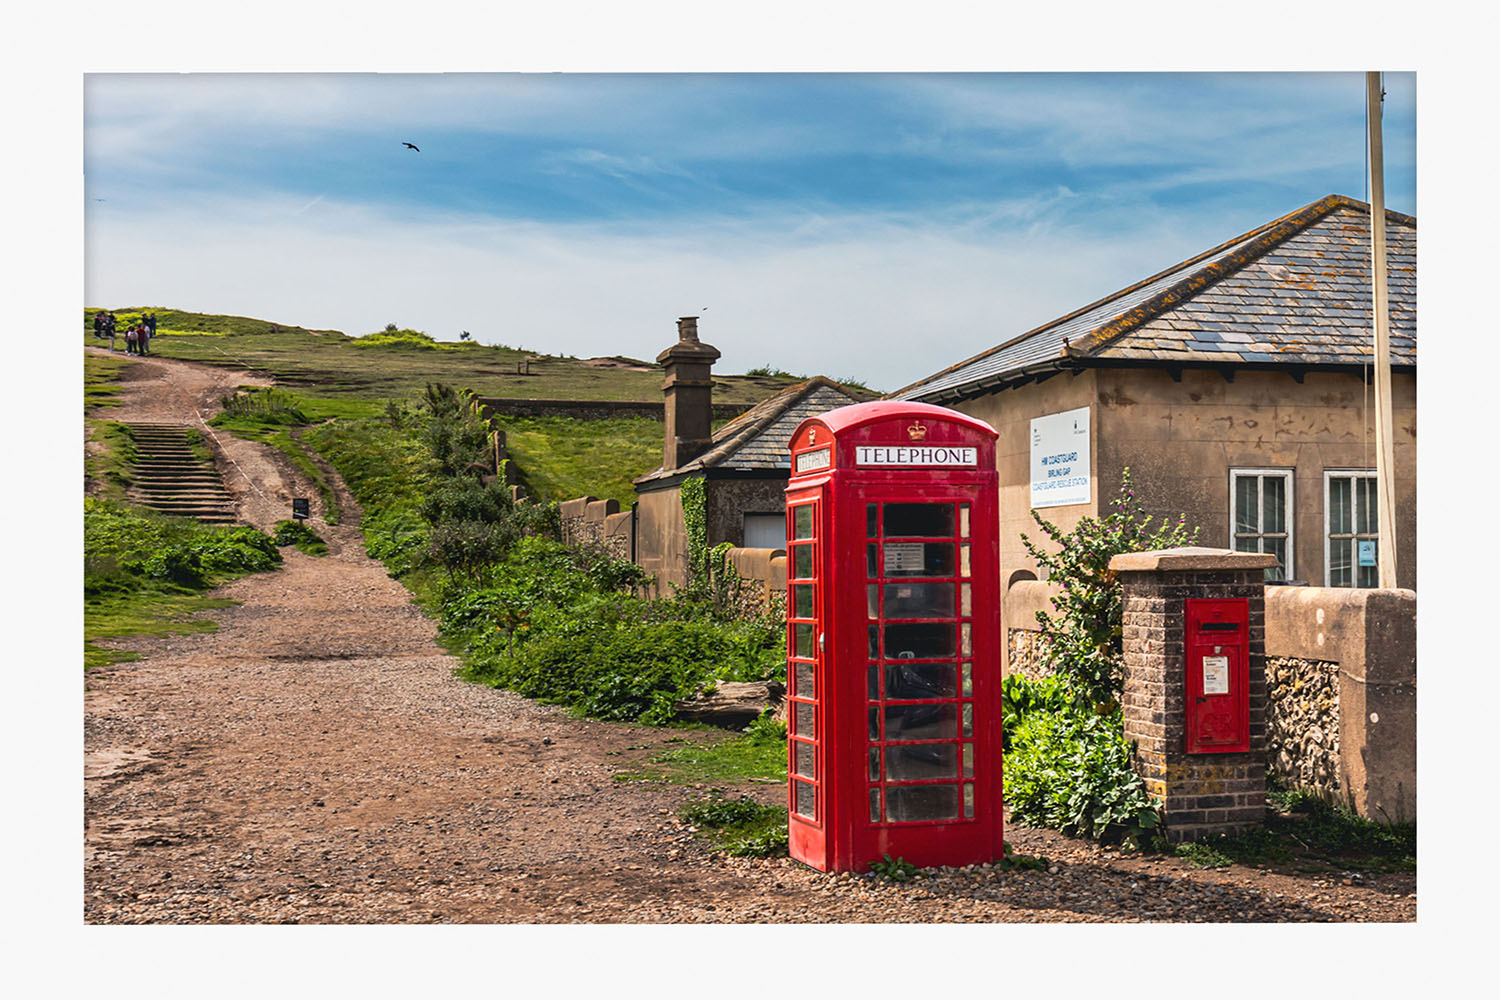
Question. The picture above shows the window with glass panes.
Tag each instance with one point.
(1352, 517)
(919, 672)
(802, 643)
(1261, 515)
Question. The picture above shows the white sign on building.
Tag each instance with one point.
(1060, 459)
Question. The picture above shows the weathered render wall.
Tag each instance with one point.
(730, 499)
(1372, 636)
(1010, 412)
(661, 538)
(1341, 678)
(1180, 439)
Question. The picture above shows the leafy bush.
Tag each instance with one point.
(126, 548)
(524, 611)
(616, 670)
(137, 565)
(1303, 830)
(457, 437)
(1020, 697)
(1083, 641)
(1069, 769)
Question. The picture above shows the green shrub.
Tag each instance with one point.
(1020, 697)
(895, 869)
(613, 670)
(1070, 769)
(1084, 640)
(137, 565)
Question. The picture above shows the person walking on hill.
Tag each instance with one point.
(142, 338)
(150, 319)
(98, 325)
(130, 340)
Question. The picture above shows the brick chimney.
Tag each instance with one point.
(689, 395)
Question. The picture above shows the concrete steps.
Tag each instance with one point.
(171, 479)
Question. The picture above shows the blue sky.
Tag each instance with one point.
(875, 226)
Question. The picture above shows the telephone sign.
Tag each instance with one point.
(893, 631)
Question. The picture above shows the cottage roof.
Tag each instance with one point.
(1295, 292)
(759, 437)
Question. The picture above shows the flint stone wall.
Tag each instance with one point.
(1302, 723)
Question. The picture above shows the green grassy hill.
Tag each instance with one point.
(338, 376)
(382, 366)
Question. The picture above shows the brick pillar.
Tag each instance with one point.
(1203, 793)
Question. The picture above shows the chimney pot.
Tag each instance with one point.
(687, 329)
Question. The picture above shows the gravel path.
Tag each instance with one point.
(315, 761)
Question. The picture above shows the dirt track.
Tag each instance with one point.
(314, 760)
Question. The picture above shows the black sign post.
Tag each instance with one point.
(299, 508)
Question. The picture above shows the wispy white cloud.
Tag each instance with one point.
(883, 299)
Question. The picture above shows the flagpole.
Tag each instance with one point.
(1385, 464)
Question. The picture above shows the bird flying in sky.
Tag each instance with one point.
(410, 146)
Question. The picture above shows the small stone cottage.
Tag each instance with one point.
(744, 464)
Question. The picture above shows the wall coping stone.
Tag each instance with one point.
(1187, 558)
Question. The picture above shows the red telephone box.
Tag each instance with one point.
(1216, 637)
(893, 632)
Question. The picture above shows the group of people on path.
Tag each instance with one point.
(137, 337)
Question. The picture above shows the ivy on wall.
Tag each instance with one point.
(694, 494)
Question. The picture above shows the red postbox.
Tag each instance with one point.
(893, 632)
(1216, 637)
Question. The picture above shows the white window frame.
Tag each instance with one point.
(1329, 475)
(1288, 475)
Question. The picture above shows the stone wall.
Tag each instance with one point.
(762, 574)
(1302, 724)
(591, 409)
(1023, 654)
(1341, 689)
(1018, 610)
(584, 520)
(1372, 636)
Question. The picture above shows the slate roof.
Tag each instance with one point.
(1295, 291)
(758, 438)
